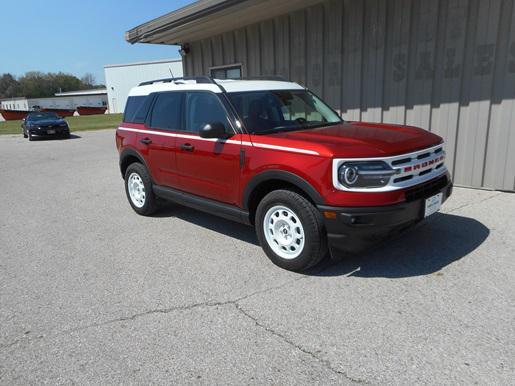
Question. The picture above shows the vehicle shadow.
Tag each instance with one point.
(72, 136)
(426, 249)
(209, 221)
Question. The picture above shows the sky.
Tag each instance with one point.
(77, 37)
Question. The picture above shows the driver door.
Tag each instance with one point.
(207, 167)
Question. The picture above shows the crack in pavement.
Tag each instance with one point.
(475, 202)
(150, 312)
(234, 302)
(285, 339)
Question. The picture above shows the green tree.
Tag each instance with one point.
(88, 80)
(37, 84)
(9, 86)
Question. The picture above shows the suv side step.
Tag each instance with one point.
(216, 208)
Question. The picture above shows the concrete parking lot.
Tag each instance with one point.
(92, 293)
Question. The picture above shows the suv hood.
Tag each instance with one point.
(360, 139)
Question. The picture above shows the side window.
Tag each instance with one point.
(203, 108)
(166, 113)
(131, 108)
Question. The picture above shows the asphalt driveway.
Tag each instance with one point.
(92, 293)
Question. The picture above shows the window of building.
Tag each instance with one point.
(227, 72)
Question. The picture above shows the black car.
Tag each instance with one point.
(44, 124)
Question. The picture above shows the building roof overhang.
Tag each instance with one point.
(206, 18)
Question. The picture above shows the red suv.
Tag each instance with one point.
(272, 154)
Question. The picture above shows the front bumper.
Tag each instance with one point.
(354, 229)
(44, 132)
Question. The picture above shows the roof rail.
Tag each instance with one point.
(198, 79)
(278, 78)
(210, 80)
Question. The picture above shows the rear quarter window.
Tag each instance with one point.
(136, 109)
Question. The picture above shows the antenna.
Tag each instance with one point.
(171, 73)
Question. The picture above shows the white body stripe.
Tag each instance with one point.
(243, 143)
(284, 148)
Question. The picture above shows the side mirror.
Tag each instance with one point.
(214, 130)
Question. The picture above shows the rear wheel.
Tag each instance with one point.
(138, 187)
(290, 230)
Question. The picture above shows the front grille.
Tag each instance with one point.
(411, 169)
(427, 189)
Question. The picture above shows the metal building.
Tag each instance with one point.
(63, 100)
(445, 65)
(120, 78)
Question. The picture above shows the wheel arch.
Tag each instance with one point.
(265, 182)
(129, 156)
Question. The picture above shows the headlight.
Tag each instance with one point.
(365, 174)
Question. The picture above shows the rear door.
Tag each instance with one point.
(157, 142)
(207, 167)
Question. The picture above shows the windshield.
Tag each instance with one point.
(274, 111)
(42, 116)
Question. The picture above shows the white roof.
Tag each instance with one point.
(228, 85)
(257, 85)
(96, 91)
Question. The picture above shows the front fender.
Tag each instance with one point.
(281, 175)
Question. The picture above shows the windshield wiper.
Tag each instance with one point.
(277, 129)
(295, 128)
(325, 124)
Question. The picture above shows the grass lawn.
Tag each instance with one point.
(80, 123)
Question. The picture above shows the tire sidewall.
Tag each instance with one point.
(149, 206)
(313, 232)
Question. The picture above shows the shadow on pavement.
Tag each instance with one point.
(49, 138)
(214, 223)
(426, 249)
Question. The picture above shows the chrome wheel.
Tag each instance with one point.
(136, 190)
(284, 232)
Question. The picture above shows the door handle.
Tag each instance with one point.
(146, 141)
(187, 147)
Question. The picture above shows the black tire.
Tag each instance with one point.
(24, 134)
(315, 238)
(31, 137)
(150, 201)
(66, 135)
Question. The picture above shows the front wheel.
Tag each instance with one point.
(138, 187)
(290, 230)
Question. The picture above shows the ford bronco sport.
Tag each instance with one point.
(272, 154)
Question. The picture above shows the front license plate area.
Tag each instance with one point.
(50, 131)
(433, 204)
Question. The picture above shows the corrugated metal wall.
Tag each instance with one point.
(445, 65)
